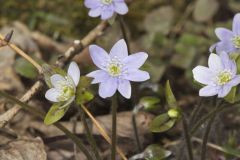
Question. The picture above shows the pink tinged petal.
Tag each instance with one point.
(235, 81)
(91, 3)
(108, 88)
(215, 63)
(99, 56)
(55, 79)
(119, 50)
(74, 72)
(224, 34)
(124, 87)
(224, 90)
(136, 60)
(208, 91)
(95, 12)
(136, 75)
(121, 7)
(236, 24)
(99, 76)
(52, 95)
(203, 75)
(226, 46)
(107, 13)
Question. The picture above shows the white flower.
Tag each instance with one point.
(64, 88)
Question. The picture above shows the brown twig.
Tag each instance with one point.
(68, 55)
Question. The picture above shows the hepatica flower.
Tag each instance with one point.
(229, 40)
(117, 69)
(219, 78)
(64, 87)
(106, 8)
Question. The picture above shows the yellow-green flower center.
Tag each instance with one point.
(66, 89)
(114, 69)
(236, 41)
(224, 77)
(107, 1)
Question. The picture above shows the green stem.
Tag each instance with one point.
(124, 32)
(187, 137)
(40, 114)
(207, 131)
(114, 126)
(195, 112)
(136, 132)
(205, 137)
(205, 118)
(90, 138)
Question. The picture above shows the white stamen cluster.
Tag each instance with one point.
(115, 67)
(107, 1)
(236, 41)
(224, 77)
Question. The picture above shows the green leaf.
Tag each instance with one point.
(55, 113)
(171, 100)
(82, 93)
(25, 69)
(231, 97)
(149, 103)
(161, 123)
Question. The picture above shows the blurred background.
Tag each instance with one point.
(176, 34)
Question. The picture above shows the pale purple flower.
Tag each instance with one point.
(219, 78)
(64, 87)
(229, 40)
(106, 8)
(117, 69)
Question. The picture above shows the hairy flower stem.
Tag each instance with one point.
(124, 32)
(23, 54)
(102, 131)
(40, 114)
(114, 126)
(136, 132)
(207, 132)
(187, 137)
(205, 118)
(90, 138)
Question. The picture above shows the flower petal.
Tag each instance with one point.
(108, 87)
(235, 81)
(55, 79)
(95, 12)
(119, 50)
(135, 60)
(121, 7)
(228, 63)
(74, 72)
(52, 95)
(215, 63)
(226, 46)
(91, 3)
(203, 75)
(107, 13)
(224, 90)
(124, 87)
(99, 56)
(236, 24)
(136, 75)
(212, 47)
(208, 91)
(224, 34)
(99, 76)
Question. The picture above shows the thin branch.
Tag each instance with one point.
(68, 55)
